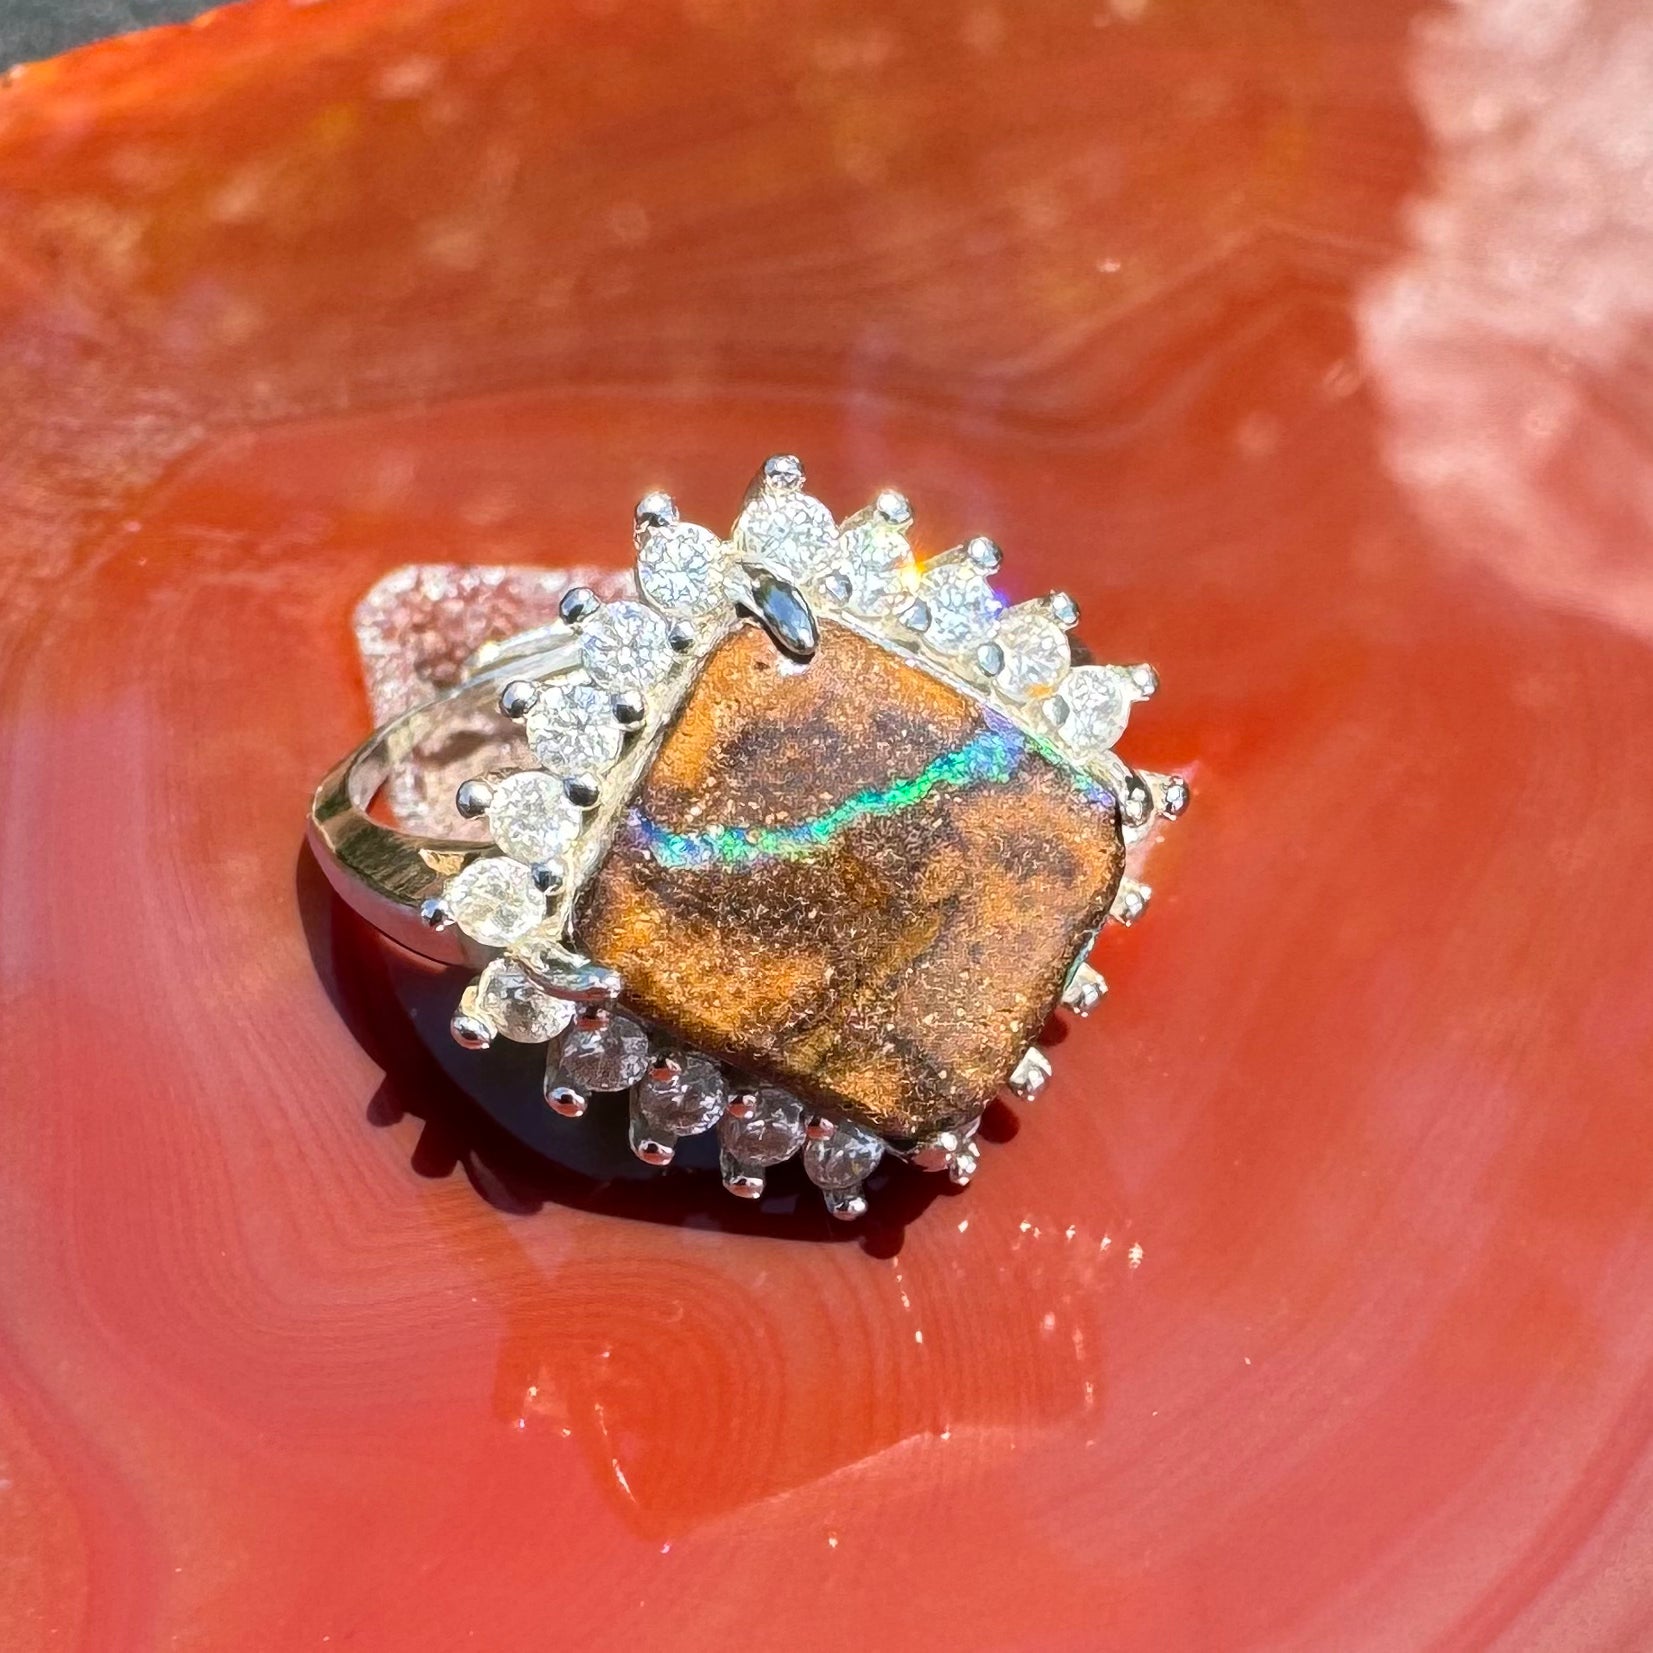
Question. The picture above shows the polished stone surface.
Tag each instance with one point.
(854, 880)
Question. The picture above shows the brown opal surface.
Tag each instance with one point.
(853, 879)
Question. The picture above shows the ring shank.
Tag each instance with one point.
(382, 872)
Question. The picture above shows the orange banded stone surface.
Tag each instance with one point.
(854, 879)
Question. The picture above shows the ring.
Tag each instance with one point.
(803, 843)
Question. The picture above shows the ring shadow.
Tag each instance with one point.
(484, 1113)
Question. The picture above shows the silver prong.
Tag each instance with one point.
(846, 1204)
(681, 635)
(782, 610)
(891, 506)
(990, 658)
(436, 914)
(579, 981)
(665, 1068)
(916, 616)
(1063, 610)
(965, 1165)
(631, 710)
(743, 1181)
(652, 1150)
(654, 510)
(592, 1017)
(583, 791)
(563, 1099)
(470, 1031)
(518, 698)
(984, 554)
(742, 1104)
(1137, 801)
(783, 473)
(1144, 681)
(1085, 990)
(818, 1128)
(935, 1153)
(579, 603)
(1131, 902)
(550, 877)
(1173, 796)
(473, 798)
(838, 587)
(1031, 1075)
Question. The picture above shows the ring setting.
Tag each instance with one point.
(801, 845)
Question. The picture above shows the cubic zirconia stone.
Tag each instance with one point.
(775, 1132)
(626, 646)
(1036, 653)
(693, 1103)
(878, 562)
(962, 608)
(611, 1058)
(790, 533)
(681, 569)
(509, 999)
(843, 1160)
(494, 901)
(1099, 706)
(530, 819)
(572, 730)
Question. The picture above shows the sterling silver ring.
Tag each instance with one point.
(802, 843)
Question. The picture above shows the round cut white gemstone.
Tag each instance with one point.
(962, 608)
(773, 1133)
(1099, 706)
(516, 1006)
(572, 730)
(494, 901)
(1036, 653)
(608, 1058)
(791, 533)
(877, 561)
(529, 817)
(691, 1103)
(843, 1160)
(681, 569)
(626, 646)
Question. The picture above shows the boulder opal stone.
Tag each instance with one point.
(854, 880)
